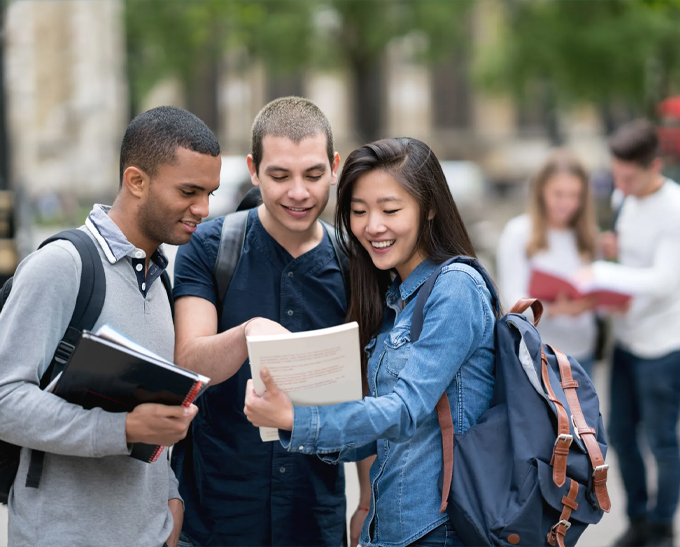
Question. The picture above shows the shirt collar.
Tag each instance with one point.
(112, 240)
(412, 283)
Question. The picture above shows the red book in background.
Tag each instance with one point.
(549, 286)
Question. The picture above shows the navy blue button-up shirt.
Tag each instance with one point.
(237, 489)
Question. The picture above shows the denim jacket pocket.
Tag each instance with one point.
(397, 350)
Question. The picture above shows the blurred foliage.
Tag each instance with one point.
(188, 38)
(600, 52)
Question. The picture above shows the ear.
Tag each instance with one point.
(136, 181)
(253, 171)
(656, 165)
(431, 214)
(334, 168)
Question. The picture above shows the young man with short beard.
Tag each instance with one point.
(239, 490)
(91, 492)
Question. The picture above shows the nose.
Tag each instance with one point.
(201, 207)
(375, 224)
(298, 191)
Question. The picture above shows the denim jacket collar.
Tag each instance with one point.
(404, 289)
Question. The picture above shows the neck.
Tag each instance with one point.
(122, 218)
(296, 243)
(560, 226)
(654, 187)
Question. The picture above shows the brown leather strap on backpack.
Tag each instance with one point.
(446, 425)
(564, 438)
(559, 531)
(587, 434)
(524, 303)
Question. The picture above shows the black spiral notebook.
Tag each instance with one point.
(109, 371)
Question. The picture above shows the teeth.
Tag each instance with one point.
(382, 244)
(296, 209)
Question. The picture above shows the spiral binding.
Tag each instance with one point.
(191, 396)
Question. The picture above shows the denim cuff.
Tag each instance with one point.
(305, 431)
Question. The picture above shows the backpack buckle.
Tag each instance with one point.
(562, 522)
(63, 352)
(564, 437)
(603, 467)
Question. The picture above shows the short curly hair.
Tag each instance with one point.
(153, 137)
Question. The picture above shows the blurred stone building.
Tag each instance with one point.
(67, 101)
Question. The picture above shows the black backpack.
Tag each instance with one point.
(89, 303)
(234, 236)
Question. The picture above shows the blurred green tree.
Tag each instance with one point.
(188, 38)
(601, 52)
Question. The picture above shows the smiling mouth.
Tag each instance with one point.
(190, 223)
(298, 209)
(382, 244)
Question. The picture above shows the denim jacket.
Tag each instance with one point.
(397, 420)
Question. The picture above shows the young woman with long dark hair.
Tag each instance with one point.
(400, 223)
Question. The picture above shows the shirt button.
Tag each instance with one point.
(290, 274)
(282, 469)
(301, 448)
(139, 267)
(143, 286)
(290, 312)
(139, 254)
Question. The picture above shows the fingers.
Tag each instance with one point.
(269, 384)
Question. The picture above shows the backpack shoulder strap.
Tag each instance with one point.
(89, 304)
(340, 255)
(90, 300)
(167, 285)
(231, 246)
(443, 407)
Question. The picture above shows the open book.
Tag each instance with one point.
(110, 371)
(548, 286)
(318, 367)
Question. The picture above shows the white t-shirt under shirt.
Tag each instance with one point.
(649, 268)
(573, 335)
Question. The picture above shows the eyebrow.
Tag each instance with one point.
(192, 186)
(317, 167)
(380, 200)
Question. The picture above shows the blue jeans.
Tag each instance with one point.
(646, 392)
(442, 536)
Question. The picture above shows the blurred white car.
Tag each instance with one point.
(466, 182)
(234, 183)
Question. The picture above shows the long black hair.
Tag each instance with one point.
(413, 164)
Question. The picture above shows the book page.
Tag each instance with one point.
(321, 367)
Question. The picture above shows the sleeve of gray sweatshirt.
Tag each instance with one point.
(32, 323)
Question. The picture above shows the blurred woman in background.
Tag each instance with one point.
(558, 235)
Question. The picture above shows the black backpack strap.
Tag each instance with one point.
(165, 279)
(251, 200)
(231, 245)
(89, 304)
(340, 255)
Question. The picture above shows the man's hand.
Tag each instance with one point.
(177, 510)
(261, 327)
(158, 424)
(356, 523)
(609, 245)
(273, 409)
